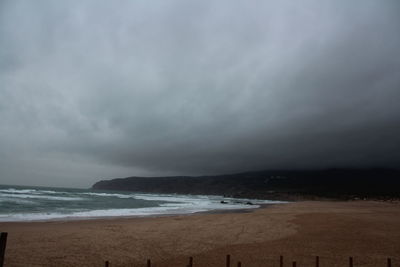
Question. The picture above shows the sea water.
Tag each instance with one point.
(21, 203)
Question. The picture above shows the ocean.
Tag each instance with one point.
(23, 203)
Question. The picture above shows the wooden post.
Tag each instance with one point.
(281, 261)
(190, 261)
(228, 260)
(317, 261)
(239, 264)
(389, 262)
(107, 264)
(148, 263)
(3, 242)
(351, 261)
(294, 264)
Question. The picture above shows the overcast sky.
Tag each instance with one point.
(101, 89)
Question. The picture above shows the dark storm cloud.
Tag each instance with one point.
(95, 89)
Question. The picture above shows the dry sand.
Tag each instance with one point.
(368, 231)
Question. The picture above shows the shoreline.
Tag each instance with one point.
(113, 205)
(110, 218)
(366, 230)
(216, 211)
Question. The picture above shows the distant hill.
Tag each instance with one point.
(301, 184)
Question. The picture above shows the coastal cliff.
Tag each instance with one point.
(334, 184)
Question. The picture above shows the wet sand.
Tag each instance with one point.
(368, 231)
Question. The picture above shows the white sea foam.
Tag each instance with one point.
(17, 201)
(30, 191)
(168, 198)
(49, 192)
(17, 191)
(41, 197)
(166, 209)
(107, 207)
(108, 195)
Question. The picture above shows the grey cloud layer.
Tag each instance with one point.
(192, 87)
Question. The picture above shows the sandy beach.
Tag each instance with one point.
(368, 231)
